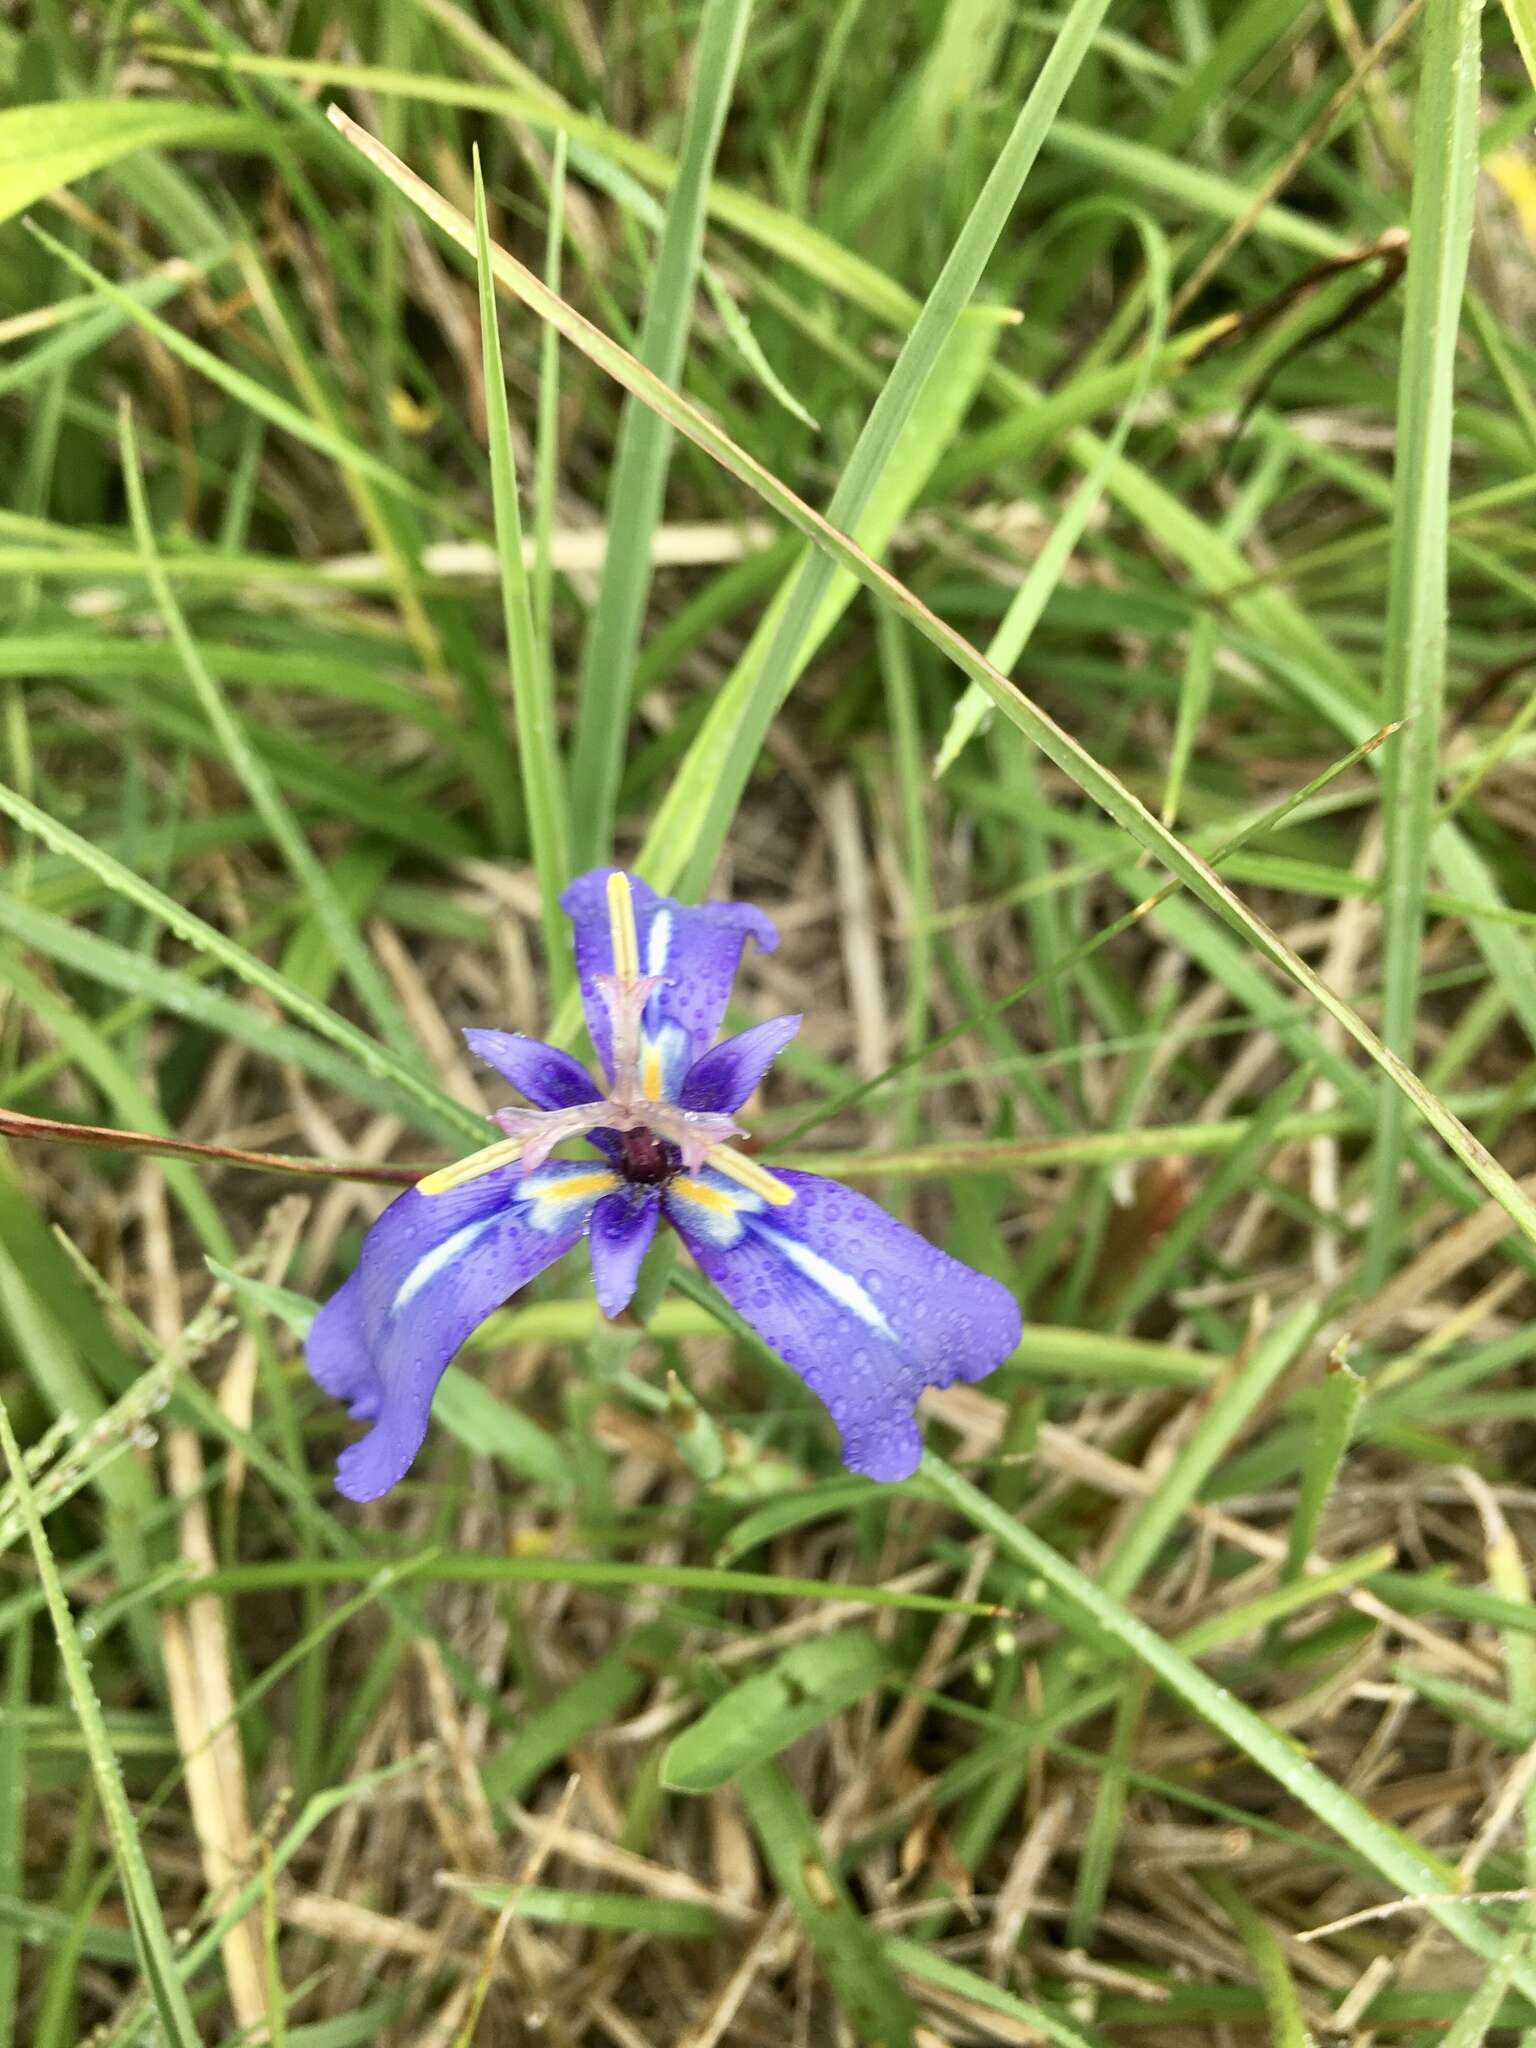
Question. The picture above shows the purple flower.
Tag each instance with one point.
(867, 1313)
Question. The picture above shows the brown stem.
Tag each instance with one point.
(14, 1123)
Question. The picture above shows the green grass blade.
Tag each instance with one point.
(1054, 742)
(1440, 231)
(157, 1957)
(952, 292)
(260, 785)
(1390, 1853)
(245, 390)
(547, 450)
(645, 441)
(1045, 572)
(1227, 1415)
(1287, 2023)
(857, 1968)
(679, 826)
(1333, 1425)
(443, 1115)
(538, 753)
(58, 141)
(753, 1721)
(13, 1813)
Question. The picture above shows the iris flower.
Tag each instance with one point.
(864, 1310)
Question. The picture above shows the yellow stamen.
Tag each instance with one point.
(621, 923)
(738, 1167)
(471, 1168)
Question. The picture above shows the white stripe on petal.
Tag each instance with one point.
(658, 943)
(847, 1292)
(427, 1269)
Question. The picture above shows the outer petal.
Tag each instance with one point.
(549, 1078)
(336, 1352)
(723, 1077)
(623, 1225)
(432, 1269)
(694, 946)
(867, 1312)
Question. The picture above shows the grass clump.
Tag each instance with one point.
(1035, 499)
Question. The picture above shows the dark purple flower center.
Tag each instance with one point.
(646, 1158)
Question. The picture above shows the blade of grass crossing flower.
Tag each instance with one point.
(1045, 572)
(645, 440)
(157, 1958)
(1393, 1855)
(442, 1114)
(260, 785)
(1440, 232)
(1059, 746)
(532, 682)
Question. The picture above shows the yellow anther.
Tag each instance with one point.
(471, 1168)
(738, 1167)
(621, 923)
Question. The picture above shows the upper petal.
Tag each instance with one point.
(866, 1311)
(695, 947)
(550, 1078)
(432, 1269)
(723, 1077)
